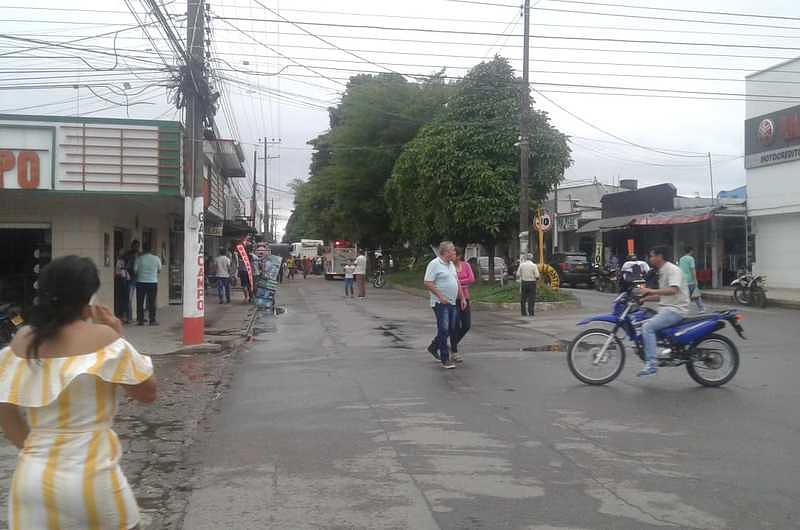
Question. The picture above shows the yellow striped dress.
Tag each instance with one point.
(67, 474)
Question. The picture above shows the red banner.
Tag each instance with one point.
(246, 260)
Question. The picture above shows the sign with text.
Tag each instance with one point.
(568, 221)
(26, 158)
(772, 138)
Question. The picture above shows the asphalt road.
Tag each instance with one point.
(336, 417)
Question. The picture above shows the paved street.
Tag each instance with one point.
(336, 417)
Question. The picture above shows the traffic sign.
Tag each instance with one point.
(544, 222)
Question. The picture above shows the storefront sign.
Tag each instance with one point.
(26, 158)
(214, 229)
(567, 221)
(194, 278)
(772, 138)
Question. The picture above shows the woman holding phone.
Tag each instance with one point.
(60, 380)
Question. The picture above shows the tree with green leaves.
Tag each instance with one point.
(459, 178)
(344, 195)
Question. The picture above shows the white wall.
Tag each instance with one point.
(773, 189)
(777, 251)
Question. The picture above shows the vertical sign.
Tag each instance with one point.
(194, 280)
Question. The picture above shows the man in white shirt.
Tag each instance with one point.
(673, 297)
(222, 264)
(360, 274)
(632, 270)
(441, 279)
(349, 271)
(527, 275)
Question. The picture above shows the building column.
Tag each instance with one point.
(715, 264)
(675, 252)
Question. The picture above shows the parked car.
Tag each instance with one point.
(500, 268)
(573, 268)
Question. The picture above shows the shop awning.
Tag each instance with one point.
(676, 217)
(604, 225)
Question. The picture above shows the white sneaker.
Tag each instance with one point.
(457, 357)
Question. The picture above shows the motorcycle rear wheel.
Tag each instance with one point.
(741, 295)
(581, 357)
(719, 356)
(759, 297)
(379, 281)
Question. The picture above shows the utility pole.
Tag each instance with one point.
(255, 187)
(267, 158)
(194, 252)
(711, 178)
(555, 220)
(524, 217)
(272, 222)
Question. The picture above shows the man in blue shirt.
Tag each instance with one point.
(441, 279)
(689, 270)
(147, 268)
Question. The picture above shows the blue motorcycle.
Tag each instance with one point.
(597, 356)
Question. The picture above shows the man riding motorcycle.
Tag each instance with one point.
(673, 297)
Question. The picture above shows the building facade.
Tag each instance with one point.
(772, 168)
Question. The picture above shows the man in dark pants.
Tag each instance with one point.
(527, 275)
(147, 268)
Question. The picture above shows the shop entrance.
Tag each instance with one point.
(26, 249)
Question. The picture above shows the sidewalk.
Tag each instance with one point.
(224, 324)
(788, 298)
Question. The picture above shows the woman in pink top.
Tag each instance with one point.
(464, 319)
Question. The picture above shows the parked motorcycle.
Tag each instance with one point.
(10, 322)
(607, 281)
(378, 279)
(597, 356)
(748, 289)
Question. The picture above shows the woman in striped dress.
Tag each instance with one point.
(60, 380)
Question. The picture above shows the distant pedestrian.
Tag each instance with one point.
(244, 278)
(441, 279)
(222, 266)
(290, 264)
(687, 266)
(121, 293)
(361, 274)
(463, 309)
(633, 270)
(147, 268)
(527, 275)
(349, 272)
(306, 267)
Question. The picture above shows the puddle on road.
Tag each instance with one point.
(390, 331)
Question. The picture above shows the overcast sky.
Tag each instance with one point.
(278, 78)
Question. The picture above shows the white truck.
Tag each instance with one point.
(306, 248)
(337, 255)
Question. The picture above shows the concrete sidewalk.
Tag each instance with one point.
(224, 324)
(787, 298)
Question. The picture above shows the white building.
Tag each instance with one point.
(772, 162)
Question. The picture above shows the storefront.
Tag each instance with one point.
(772, 168)
(87, 187)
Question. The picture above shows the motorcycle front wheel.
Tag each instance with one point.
(379, 281)
(741, 295)
(759, 297)
(586, 363)
(715, 361)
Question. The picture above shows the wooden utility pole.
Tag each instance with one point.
(255, 188)
(524, 146)
(194, 218)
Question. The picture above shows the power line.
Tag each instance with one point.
(675, 10)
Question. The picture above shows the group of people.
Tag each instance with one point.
(136, 277)
(448, 278)
(355, 273)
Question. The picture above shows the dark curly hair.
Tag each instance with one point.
(66, 285)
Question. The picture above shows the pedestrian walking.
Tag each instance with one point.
(76, 364)
(121, 293)
(290, 267)
(244, 279)
(349, 272)
(527, 274)
(147, 269)
(441, 279)
(687, 266)
(633, 270)
(130, 262)
(463, 310)
(222, 271)
(673, 297)
(361, 274)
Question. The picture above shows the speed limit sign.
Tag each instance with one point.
(544, 222)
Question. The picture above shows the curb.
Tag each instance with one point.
(504, 306)
(215, 347)
(771, 302)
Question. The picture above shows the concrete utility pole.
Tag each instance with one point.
(555, 220)
(267, 143)
(711, 178)
(255, 187)
(194, 252)
(524, 147)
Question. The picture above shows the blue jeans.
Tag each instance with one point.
(224, 290)
(348, 287)
(445, 326)
(665, 318)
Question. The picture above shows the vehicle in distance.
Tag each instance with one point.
(573, 268)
